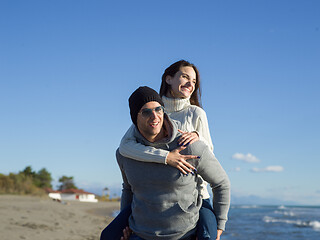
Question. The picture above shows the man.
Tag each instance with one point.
(165, 203)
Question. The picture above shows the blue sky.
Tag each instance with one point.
(67, 69)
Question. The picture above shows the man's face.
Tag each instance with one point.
(149, 122)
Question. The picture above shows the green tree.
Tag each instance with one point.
(42, 179)
(25, 182)
(66, 183)
(28, 172)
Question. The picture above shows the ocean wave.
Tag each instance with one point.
(115, 213)
(299, 223)
(246, 206)
(315, 225)
(285, 213)
(282, 207)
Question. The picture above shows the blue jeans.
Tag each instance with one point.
(206, 227)
(135, 237)
(115, 229)
(207, 223)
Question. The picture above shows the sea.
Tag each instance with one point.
(254, 222)
(251, 222)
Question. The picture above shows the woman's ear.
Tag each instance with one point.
(168, 79)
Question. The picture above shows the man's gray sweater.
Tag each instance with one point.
(165, 203)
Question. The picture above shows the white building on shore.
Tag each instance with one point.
(72, 195)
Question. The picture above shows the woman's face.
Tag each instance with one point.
(182, 83)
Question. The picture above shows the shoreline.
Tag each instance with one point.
(30, 217)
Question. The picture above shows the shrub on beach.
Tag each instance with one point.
(25, 182)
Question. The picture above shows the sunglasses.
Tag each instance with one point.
(148, 112)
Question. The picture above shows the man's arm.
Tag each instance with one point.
(211, 171)
(130, 148)
(126, 196)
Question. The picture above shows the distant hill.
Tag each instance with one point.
(235, 200)
(256, 200)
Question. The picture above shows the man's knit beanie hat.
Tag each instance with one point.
(140, 97)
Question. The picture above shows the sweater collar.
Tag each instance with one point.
(175, 104)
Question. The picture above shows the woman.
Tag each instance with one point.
(180, 92)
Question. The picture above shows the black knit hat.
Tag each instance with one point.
(140, 97)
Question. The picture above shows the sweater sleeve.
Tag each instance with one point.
(211, 171)
(130, 148)
(126, 195)
(202, 127)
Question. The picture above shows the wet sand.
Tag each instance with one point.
(39, 218)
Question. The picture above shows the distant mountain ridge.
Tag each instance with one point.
(235, 200)
(256, 200)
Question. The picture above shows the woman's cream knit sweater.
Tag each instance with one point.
(191, 117)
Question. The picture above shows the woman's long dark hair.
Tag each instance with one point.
(195, 97)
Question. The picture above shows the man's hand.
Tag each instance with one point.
(126, 234)
(219, 232)
(187, 138)
(177, 160)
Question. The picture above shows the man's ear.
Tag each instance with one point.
(166, 126)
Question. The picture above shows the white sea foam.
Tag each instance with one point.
(248, 206)
(115, 213)
(314, 224)
(285, 213)
(291, 214)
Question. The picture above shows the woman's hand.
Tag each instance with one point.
(177, 160)
(126, 233)
(219, 232)
(187, 138)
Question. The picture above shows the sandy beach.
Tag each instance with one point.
(39, 218)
